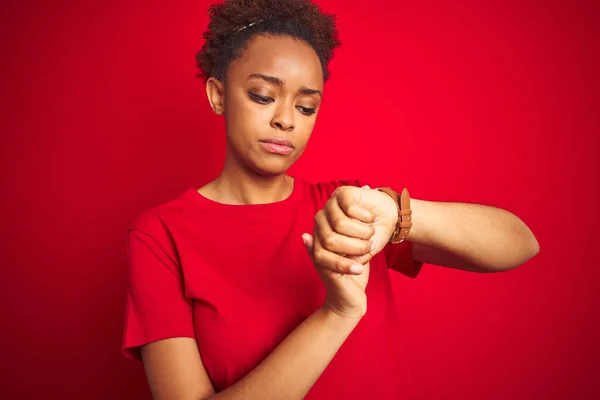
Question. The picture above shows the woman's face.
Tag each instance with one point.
(270, 99)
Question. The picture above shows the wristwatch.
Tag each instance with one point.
(404, 222)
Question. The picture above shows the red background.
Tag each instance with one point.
(493, 102)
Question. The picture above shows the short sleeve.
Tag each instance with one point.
(156, 306)
(399, 257)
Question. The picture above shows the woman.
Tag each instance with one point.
(224, 299)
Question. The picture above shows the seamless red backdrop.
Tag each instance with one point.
(492, 102)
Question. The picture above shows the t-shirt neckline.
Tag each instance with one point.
(223, 209)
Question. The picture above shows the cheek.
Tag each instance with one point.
(304, 129)
(246, 121)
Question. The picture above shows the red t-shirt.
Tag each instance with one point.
(238, 279)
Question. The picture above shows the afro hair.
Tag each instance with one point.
(234, 22)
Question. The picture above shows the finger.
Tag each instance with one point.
(325, 259)
(362, 259)
(345, 225)
(350, 199)
(308, 242)
(337, 243)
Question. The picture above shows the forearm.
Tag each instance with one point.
(484, 238)
(295, 365)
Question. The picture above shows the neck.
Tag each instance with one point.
(236, 185)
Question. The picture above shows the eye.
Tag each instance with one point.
(260, 99)
(306, 110)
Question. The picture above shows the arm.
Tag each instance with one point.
(175, 371)
(470, 237)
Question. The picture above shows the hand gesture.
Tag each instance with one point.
(355, 224)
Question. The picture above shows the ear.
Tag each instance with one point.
(215, 91)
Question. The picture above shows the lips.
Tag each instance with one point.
(279, 142)
(278, 146)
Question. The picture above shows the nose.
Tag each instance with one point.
(283, 119)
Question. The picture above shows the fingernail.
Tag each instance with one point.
(372, 246)
(376, 219)
(356, 269)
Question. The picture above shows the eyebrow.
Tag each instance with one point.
(276, 81)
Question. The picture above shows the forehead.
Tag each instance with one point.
(289, 59)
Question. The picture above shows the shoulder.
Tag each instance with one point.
(317, 193)
(326, 188)
(155, 221)
(151, 236)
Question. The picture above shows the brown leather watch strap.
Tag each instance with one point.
(404, 214)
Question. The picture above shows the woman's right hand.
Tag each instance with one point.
(341, 241)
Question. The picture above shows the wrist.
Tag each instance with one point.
(339, 319)
(403, 218)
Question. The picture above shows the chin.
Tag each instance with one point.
(271, 167)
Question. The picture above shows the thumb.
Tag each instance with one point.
(308, 242)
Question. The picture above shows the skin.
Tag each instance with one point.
(257, 109)
(270, 92)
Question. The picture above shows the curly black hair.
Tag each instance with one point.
(234, 22)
